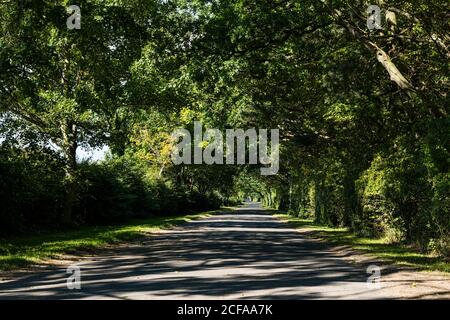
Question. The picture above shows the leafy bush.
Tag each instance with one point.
(31, 189)
(32, 184)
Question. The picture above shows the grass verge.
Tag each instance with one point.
(378, 248)
(25, 251)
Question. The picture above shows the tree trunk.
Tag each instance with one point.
(290, 194)
(69, 131)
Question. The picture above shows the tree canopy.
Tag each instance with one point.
(363, 112)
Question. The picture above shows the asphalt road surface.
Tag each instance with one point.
(244, 254)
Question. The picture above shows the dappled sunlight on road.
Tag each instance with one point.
(246, 253)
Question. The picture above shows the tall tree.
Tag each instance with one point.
(67, 83)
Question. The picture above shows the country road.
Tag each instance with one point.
(243, 254)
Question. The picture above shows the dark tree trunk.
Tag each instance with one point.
(70, 145)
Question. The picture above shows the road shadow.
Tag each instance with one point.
(246, 253)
